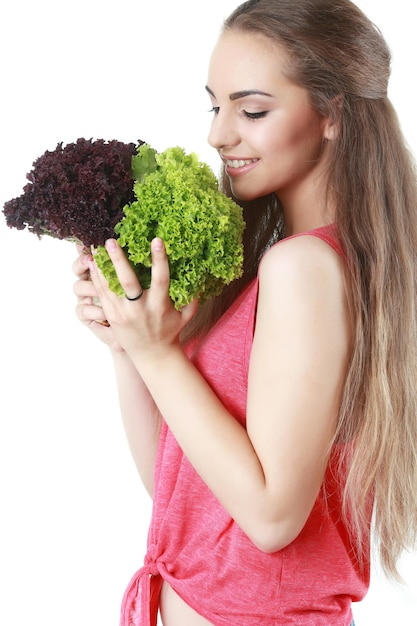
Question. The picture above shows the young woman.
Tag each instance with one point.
(271, 423)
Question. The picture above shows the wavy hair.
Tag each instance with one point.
(340, 57)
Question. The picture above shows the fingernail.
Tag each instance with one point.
(157, 243)
(111, 245)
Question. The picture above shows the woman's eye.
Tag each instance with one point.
(255, 116)
(215, 110)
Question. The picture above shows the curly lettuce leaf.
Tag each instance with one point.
(178, 200)
(76, 192)
(144, 162)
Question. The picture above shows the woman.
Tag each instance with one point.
(269, 424)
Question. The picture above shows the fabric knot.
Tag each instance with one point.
(151, 561)
(141, 598)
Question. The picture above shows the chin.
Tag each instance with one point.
(243, 190)
(246, 195)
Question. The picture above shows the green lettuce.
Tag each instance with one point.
(177, 199)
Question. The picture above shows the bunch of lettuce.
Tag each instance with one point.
(177, 199)
(76, 192)
(92, 190)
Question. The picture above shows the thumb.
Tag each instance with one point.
(189, 310)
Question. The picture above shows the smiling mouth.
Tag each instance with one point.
(236, 163)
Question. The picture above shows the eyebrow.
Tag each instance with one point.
(242, 94)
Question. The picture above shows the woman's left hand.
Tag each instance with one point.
(147, 326)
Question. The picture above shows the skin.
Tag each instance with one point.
(301, 343)
(263, 117)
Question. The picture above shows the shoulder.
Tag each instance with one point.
(302, 284)
(302, 259)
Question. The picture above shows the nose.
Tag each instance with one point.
(222, 131)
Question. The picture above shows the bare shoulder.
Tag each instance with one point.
(302, 286)
(303, 256)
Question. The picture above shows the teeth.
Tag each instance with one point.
(239, 163)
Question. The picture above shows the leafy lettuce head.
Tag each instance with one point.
(177, 199)
(76, 192)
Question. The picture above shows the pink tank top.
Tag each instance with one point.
(196, 546)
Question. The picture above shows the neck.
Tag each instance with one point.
(306, 208)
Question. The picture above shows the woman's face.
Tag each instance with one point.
(264, 128)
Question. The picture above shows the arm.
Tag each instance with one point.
(140, 416)
(275, 468)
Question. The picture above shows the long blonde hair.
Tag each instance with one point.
(340, 57)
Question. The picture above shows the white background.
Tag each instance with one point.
(74, 516)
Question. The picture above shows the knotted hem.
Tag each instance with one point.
(141, 599)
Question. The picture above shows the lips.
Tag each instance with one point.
(237, 163)
(239, 167)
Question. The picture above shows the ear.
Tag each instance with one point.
(332, 124)
(331, 129)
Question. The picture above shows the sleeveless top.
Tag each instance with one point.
(196, 546)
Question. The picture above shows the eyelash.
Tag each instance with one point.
(255, 116)
(251, 116)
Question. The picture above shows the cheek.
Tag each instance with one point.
(279, 140)
(301, 141)
(310, 132)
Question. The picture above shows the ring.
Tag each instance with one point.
(138, 297)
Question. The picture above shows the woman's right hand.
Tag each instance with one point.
(88, 308)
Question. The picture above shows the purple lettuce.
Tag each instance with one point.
(76, 192)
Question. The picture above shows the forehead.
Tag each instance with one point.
(248, 57)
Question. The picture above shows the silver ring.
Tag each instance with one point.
(138, 297)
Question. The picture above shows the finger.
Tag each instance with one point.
(86, 293)
(87, 313)
(80, 267)
(160, 276)
(189, 310)
(99, 283)
(85, 289)
(124, 271)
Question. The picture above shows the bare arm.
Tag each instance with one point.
(275, 468)
(141, 418)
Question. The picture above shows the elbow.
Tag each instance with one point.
(269, 543)
(274, 536)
